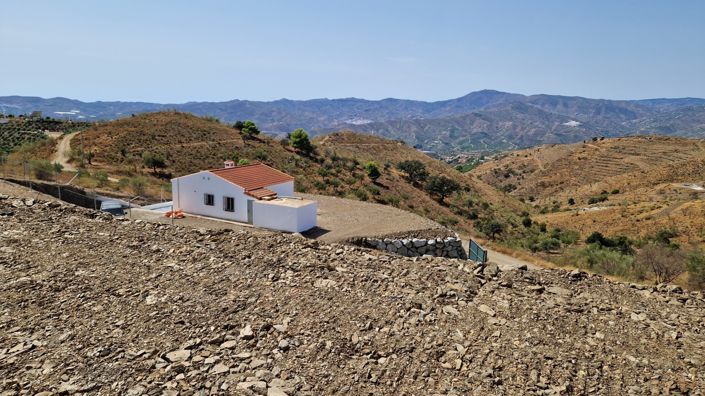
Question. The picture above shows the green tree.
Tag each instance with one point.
(249, 129)
(493, 228)
(415, 170)
(132, 161)
(372, 171)
(154, 161)
(441, 186)
(300, 141)
(238, 125)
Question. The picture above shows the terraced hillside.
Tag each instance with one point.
(581, 170)
(631, 186)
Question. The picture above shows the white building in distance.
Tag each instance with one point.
(256, 194)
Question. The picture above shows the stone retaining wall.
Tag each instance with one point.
(415, 247)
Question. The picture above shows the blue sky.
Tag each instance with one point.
(177, 51)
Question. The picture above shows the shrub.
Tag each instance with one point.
(447, 221)
(372, 171)
(43, 169)
(571, 201)
(261, 154)
(102, 178)
(663, 262)
(415, 170)
(361, 194)
(664, 237)
(619, 243)
(394, 200)
(243, 161)
(527, 222)
(696, 270)
(374, 190)
(138, 185)
(597, 199)
(569, 237)
(608, 261)
(615, 191)
(549, 244)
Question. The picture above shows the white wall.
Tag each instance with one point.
(308, 217)
(284, 218)
(285, 189)
(187, 192)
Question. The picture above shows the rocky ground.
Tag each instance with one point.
(89, 304)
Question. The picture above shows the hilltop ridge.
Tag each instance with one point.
(466, 123)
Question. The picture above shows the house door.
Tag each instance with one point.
(249, 211)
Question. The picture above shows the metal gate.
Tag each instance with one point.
(477, 253)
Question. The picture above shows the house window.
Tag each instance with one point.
(229, 204)
(208, 199)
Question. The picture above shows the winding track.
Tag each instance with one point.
(62, 149)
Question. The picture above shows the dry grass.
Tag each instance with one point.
(559, 172)
(648, 171)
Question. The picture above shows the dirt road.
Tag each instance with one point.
(503, 261)
(62, 149)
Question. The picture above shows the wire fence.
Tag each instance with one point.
(50, 181)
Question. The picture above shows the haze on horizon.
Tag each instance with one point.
(179, 51)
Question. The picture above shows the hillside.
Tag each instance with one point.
(643, 184)
(16, 131)
(190, 143)
(480, 120)
(161, 309)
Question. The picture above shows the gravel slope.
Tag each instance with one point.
(89, 304)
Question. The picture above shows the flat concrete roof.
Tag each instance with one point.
(290, 202)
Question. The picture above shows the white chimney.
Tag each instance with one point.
(229, 164)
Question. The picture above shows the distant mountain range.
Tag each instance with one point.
(482, 120)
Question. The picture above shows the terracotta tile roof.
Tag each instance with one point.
(260, 193)
(253, 176)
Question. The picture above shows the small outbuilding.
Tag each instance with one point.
(255, 193)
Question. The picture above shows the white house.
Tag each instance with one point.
(256, 194)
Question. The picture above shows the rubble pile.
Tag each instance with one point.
(94, 305)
